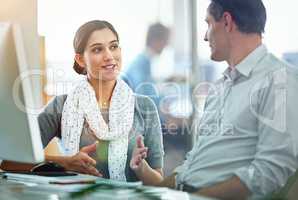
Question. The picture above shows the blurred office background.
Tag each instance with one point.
(49, 27)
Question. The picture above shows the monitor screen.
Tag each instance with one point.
(19, 131)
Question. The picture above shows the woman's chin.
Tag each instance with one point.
(109, 78)
(105, 77)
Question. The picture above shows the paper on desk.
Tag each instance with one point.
(78, 179)
(108, 186)
(118, 183)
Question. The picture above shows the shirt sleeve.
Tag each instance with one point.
(153, 134)
(276, 152)
(49, 120)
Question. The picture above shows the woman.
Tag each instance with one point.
(102, 114)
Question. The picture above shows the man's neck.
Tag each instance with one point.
(150, 52)
(241, 47)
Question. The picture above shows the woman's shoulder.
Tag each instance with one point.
(144, 103)
(60, 99)
(55, 104)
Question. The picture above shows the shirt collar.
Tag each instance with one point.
(250, 61)
(247, 64)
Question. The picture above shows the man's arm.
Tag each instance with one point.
(168, 181)
(230, 189)
(275, 159)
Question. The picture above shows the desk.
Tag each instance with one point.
(27, 191)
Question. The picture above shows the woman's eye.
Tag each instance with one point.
(114, 47)
(97, 50)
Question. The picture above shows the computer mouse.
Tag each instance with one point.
(48, 167)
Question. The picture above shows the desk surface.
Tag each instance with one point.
(17, 190)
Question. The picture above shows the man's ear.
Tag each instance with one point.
(79, 58)
(228, 21)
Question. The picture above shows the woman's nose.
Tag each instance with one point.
(108, 54)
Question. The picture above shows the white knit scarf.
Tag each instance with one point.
(81, 105)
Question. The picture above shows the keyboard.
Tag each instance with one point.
(50, 174)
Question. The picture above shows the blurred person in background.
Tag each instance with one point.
(138, 75)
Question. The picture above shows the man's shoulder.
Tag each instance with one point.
(273, 70)
(272, 64)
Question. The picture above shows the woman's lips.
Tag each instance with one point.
(112, 66)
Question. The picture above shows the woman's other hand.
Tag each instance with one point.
(138, 155)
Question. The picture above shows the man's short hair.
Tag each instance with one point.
(249, 15)
(157, 31)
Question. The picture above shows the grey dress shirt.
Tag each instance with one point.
(146, 122)
(249, 127)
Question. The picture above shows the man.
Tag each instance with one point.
(247, 143)
(138, 74)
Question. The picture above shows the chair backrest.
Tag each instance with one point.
(290, 190)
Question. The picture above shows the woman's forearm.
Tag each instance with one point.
(148, 175)
(61, 160)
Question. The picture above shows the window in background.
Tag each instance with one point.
(58, 20)
(281, 30)
(280, 35)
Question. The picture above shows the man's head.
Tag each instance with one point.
(227, 17)
(157, 37)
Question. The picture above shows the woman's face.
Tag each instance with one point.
(102, 56)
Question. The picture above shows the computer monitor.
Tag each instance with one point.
(19, 131)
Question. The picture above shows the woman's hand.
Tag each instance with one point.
(138, 155)
(82, 162)
(140, 166)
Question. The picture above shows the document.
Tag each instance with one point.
(78, 179)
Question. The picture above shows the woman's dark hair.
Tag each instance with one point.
(82, 35)
(249, 15)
